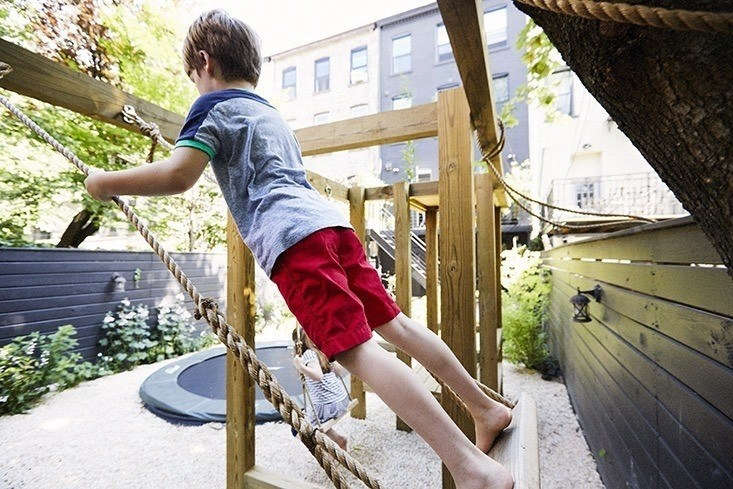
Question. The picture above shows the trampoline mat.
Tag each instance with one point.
(208, 378)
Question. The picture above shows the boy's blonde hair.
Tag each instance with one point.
(231, 42)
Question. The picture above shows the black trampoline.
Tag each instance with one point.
(192, 390)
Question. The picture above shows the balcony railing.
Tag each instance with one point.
(632, 193)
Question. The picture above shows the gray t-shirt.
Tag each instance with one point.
(257, 162)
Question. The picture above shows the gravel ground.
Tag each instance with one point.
(99, 435)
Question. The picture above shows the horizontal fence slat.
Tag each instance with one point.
(671, 243)
(705, 288)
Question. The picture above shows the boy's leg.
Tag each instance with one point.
(490, 417)
(400, 389)
(337, 437)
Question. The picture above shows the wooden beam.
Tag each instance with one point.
(431, 268)
(486, 283)
(240, 388)
(259, 478)
(358, 220)
(38, 77)
(393, 126)
(403, 267)
(463, 21)
(517, 448)
(457, 244)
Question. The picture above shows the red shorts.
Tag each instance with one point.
(334, 292)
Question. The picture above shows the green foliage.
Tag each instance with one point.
(136, 47)
(523, 314)
(35, 364)
(128, 339)
(541, 59)
(408, 156)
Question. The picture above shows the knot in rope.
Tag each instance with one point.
(204, 304)
(5, 69)
(149, 129)
(499, 146)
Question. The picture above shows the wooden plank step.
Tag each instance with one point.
(517, 448)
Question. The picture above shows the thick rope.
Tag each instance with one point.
(675, 19)
(323, 448)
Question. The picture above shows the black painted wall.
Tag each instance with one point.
(42, 289)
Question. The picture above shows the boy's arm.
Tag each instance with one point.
(174, 175)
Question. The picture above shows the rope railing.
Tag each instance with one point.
(675, 19)
(518, 196)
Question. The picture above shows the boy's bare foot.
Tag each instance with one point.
(483, 473)
(489, 422)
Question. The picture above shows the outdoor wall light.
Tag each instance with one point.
(580, 303)
(119, 282)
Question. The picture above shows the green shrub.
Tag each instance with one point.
(35, 364)
(128, 338)
(523, 316)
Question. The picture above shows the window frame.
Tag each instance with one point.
(402, 96)
(504, 42)
(327, 76)
(357, 49)
(327, 113)
(392, 66)
(571, 92)
(508, 89)
(438, 61)
(294, 69)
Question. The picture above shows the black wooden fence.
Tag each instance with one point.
(651, 375)
(42, 289)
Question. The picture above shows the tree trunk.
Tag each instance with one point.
(671, 93)
(84, 224)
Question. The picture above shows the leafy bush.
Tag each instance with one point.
(35, 364)
(128, 339)
(523, 316)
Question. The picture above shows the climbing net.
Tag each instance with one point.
(325, 451)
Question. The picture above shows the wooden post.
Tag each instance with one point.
(497, 264)
(240, 314)
(457, 243)
(403, 258)
(486, 275)
(431, 268)
(358, 220)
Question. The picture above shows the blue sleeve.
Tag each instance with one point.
(200, 129)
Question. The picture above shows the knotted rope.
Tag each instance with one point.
(323, 448)
(149, 129)
(675, 19)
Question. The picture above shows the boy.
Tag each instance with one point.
(307, 247)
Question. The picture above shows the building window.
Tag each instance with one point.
(501, 88)
(289, 82)
(495, 27)
(401, 102)
(562, 85)
(323, 68)
(402, 54)
(444, 52)
(424, 174)
(585, 194)
(359, 72)
(321, 118)
(359, 110)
